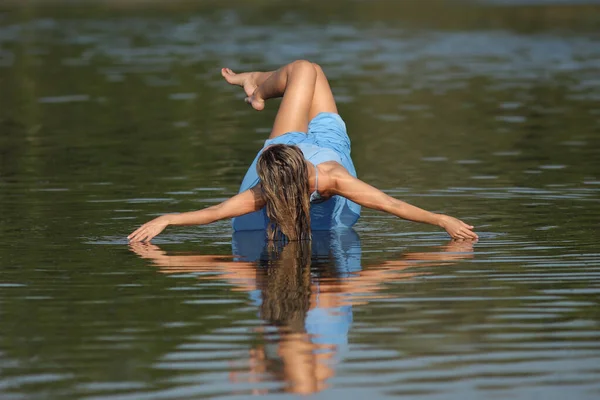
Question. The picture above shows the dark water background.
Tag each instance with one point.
(114, 112)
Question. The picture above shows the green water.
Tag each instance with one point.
(111, 114)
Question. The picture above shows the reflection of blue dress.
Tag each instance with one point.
(326, 140)
(342, 248)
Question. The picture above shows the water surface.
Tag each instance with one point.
(112, 114)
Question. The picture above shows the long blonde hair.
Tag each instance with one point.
(284, 177)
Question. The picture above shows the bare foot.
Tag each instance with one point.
(247, 80)
(244, 79)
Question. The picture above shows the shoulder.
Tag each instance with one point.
(334, 173)
(332, 168)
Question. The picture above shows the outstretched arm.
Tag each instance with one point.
(368, 196)
(240, 204)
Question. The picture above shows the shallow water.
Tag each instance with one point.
(112, 114)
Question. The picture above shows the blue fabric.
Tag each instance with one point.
(326, 140)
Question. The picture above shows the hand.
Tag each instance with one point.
(146, 232)
(457, 229)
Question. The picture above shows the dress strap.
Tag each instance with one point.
(315, 197)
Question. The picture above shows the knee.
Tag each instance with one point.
(303, 69)
(305, 64)
(315, 66)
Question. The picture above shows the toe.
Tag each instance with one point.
(231, 77)
(225, 73)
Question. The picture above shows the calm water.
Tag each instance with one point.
(112, 114)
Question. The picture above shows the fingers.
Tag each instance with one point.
(464, 234)
(147, 236)
(143, 234)
(134, 233)
(146, 232)
(469, 234)
(466, 231)
(138, 236)
(459, 230)
(135, 237)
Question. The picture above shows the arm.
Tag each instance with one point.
(240, 204)
(368, 196)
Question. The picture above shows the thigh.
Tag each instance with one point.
(293, 113)
(323, 100)
(307, 94)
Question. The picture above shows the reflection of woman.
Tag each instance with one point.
(306, 291)
(284, 298)
(292, 280)
(303, 177)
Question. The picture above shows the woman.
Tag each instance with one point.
(303, 177)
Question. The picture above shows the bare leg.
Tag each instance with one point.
(323, 100)
(302, 84)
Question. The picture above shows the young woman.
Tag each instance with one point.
(303, 178)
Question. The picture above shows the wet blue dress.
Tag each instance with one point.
(326, 140)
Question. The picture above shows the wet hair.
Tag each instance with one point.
(284, 281)
(284, 177)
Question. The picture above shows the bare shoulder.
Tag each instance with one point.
(331, 172)
(331, 166)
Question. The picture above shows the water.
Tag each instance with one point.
(111, 114)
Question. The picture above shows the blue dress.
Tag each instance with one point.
(326, 140)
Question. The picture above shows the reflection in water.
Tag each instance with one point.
(109, 116)
(304, 292)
